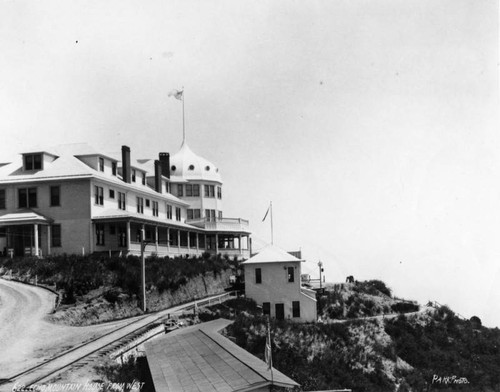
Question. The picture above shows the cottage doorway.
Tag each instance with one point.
(280, 311)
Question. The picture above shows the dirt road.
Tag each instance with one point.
(25, 337)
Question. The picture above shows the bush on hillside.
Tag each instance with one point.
(77, 275)
(405, 307)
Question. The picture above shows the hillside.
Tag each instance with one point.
(95, 289)
(428, 349)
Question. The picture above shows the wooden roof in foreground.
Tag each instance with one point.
(198, 358)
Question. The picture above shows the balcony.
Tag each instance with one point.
(221, 224)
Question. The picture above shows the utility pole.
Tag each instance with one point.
(320, 265)
(143, 269)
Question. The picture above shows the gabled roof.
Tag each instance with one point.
(23, 218)
(66, 166)
(198, 358)
(272, 254)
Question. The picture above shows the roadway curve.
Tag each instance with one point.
(22, 309)
(26, 339)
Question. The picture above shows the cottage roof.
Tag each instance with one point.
(198, 358)
(272, 254)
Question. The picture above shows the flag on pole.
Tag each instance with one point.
(267, 212)
(177, 94)
(267, 353)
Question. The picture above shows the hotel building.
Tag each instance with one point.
(74, 199)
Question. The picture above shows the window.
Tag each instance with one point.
(122, 201)
(133, 175)
(140, 205)
(219, 192)
(209, 190)
(143, 178)
(266, 308)
(99, 231)
(122, 237)
(55, 196)
(258, 275)
(219, 214)
(194, 213)
(56, 235)
(33, 162)
(155, 208)
(111, 194)
(210, 215)
(98, 195)
(295, 308)
(2, 199)
(177, 213)
(101, 164)
(113, 168)
(179, 190)
(192, 190)
(169, 211)
(291, 273)
(27, 197)
(148, 203)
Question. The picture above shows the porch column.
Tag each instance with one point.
(168, 240)
(188, 238)
(216, 244)
(49, 238)
(92, 237)
(128, 236)
(179, 241)
(35, 234)
(197, 242)
(239, 243)
(156, 238)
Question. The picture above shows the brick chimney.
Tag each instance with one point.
(126, 172)
(165, 164)
(158, 176)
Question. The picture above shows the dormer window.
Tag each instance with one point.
(133, 175)
(33, 162)
(113, 168)
(101, 164)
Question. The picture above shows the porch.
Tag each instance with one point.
(123, 236)
(25, 234)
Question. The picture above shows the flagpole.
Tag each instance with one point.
(183, 120)
(270, 349)
(272, 231)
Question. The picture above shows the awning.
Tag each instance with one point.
(24, 218)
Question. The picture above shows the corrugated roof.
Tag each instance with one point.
(271, 254)
(198, 358)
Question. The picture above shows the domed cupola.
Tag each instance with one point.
(186, 164)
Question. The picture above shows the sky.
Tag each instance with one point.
(372, 126)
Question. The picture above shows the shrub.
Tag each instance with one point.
(380, 286)
(405, 307)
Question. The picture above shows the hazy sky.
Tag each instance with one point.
(371, 125)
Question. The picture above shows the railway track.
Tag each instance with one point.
(47, 370)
